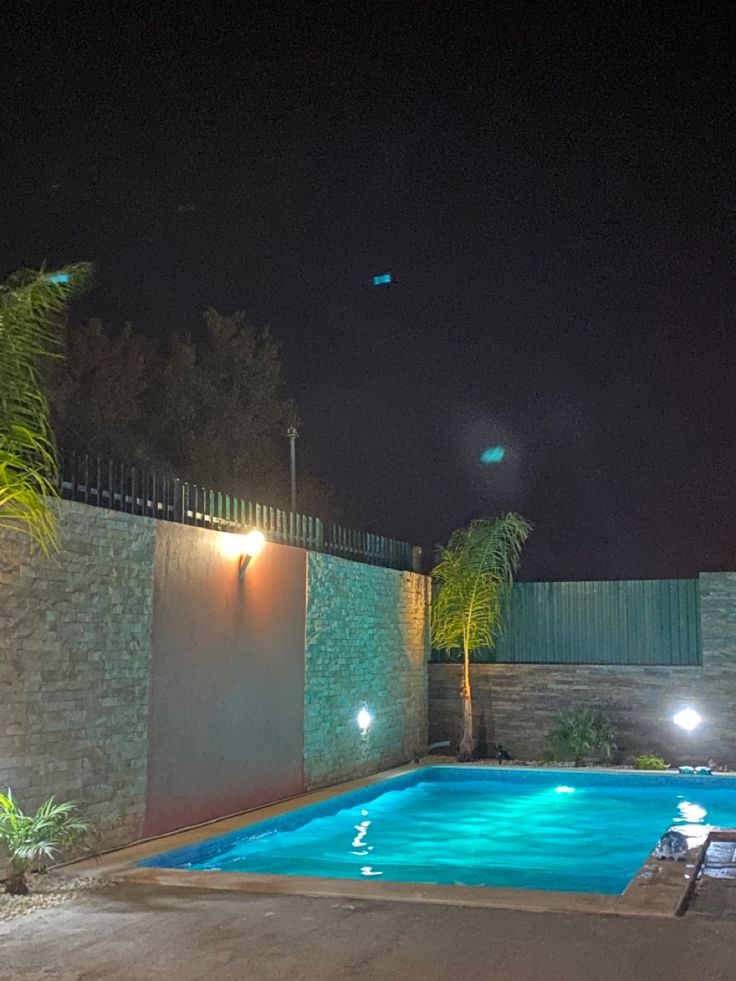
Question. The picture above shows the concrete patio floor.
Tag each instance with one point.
(132, 932)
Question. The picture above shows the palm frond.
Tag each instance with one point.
(474, 573)
(29, 838)
(29, 302)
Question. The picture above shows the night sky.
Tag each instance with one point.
(551, 185)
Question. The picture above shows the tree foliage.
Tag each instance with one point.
(29, 306)
(209, 408)
(474, 574)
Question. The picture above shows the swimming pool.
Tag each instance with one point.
(562, 830)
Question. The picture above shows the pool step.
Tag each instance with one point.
(715, 890)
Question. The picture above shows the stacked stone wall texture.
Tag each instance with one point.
(516, 704)
(367, 645)
(75, 632)
(77, 649)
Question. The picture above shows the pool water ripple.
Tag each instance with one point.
(538, 829)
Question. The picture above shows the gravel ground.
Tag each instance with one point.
(49, 889)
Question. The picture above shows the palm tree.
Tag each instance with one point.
(474, 574)
(29, 303)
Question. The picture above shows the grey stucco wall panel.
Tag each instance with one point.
(227, 678)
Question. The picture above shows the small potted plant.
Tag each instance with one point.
(32, 840)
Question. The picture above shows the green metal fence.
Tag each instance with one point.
(626, 622)
(103, 483)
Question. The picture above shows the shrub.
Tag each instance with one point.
(33, 839)
(649, 763)
(581, 731)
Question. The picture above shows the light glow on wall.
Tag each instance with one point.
(242, 547)
(253, 542)
(687, 719)
(364, 719)
(233, 546)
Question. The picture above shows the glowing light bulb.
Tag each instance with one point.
(364, 720)
(253, 542)
(687, 719)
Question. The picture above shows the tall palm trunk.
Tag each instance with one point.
(474, 575)
(466, 749)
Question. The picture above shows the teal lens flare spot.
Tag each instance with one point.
(494, 454)
(383, 280)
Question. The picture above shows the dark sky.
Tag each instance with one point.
(552, 186)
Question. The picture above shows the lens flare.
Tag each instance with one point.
(494, 454)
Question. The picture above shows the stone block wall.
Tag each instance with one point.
(367, 644)
(75, 647)
(516, 704)
(140, 677)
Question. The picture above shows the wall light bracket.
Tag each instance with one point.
(249, 545)
(243, 565)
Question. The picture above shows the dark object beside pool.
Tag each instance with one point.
(673, 845)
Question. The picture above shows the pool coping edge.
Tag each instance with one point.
(659, 889)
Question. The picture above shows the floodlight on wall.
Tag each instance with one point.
(687, 719)
(364, 719)
(241, 547)
(250, 544)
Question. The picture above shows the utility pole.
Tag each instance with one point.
(292, 435)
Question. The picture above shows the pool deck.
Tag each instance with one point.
(132, 932)
(659, 889)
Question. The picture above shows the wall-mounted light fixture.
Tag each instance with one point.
(251, 544)
(364, 719)
(687, 719)
(241, 547)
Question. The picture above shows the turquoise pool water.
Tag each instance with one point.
(566, 830)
